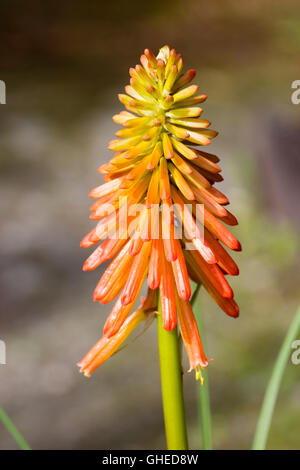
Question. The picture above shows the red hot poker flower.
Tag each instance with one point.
(159, 179)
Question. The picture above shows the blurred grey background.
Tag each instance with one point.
(63, 64)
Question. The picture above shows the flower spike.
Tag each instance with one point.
(160, 219)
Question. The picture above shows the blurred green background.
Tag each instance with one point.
(63, 64)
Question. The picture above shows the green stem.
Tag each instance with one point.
(266, 413)
(11, 428)
(171, 386)
(203, 390)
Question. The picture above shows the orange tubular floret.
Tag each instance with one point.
(229, 219)
(227, 305)
(220, 231)
(185, 215)
(182, 164)
(136, 245)
(136, 273)
(180, 274)
(86, 242)
(198, 179)
(168, 231)
(190, 335)
(114, 290)
(149, 224)
(106, 347)
(191, 229)
(165, 192)
(103, 253)
(104, 211)
(184, 79)
(94, 260)
(116, 317)
(138, 170)
(155, 264)
(167, 294)
(104, 228)
(224, 259)
(117, 270)
(153, 190)
(181, 183)
(105, 189)
(167, 146)
(109, 198)
(155, 156)
(119, 313)
(210, 204)
(214, 275)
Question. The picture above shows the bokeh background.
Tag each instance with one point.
(63, 64)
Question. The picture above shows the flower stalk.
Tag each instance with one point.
(171, 386)
(203, 394)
